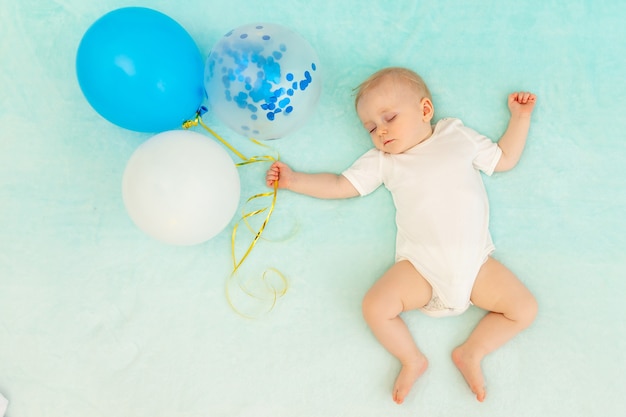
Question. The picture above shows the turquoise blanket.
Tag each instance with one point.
(98, 319)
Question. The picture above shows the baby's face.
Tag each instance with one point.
(396, 117)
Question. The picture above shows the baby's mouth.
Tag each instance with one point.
(387, 141)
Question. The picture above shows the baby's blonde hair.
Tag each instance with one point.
(410, 77)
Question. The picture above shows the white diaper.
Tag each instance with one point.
(437, 308)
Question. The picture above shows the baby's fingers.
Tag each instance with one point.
(523, 97)
(271, 175)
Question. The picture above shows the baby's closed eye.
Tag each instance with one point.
(370, 127)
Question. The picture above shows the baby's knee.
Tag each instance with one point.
(369, 306)
(376, 306)
(528, 310)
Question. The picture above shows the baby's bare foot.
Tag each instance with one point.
(406, 378)
(469, 365)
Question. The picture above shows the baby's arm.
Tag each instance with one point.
(322, 185)
(514, 139)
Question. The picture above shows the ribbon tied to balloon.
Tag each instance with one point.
(262, 81)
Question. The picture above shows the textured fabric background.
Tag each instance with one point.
(98, 319)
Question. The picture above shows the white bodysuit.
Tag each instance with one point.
(442, 211)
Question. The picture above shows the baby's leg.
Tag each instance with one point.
(511, 308)
(400, 289)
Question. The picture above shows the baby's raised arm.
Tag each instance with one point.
(322, 185)
(521, 105)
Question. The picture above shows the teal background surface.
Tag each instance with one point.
(98, 319)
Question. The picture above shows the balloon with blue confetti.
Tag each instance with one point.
(262, 80)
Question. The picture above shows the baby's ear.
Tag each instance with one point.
(427, 108)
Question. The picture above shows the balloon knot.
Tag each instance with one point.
(190, 123)
(199, 113)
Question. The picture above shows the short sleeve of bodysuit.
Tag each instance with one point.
(487, 152)
(365, 174)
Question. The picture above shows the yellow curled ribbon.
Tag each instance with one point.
(274, 290)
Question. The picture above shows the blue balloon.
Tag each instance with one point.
(140, 70)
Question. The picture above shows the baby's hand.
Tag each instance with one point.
(522, 103)
(278, 172)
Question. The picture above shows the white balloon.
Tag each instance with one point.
(262, 80)
(181, 187)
